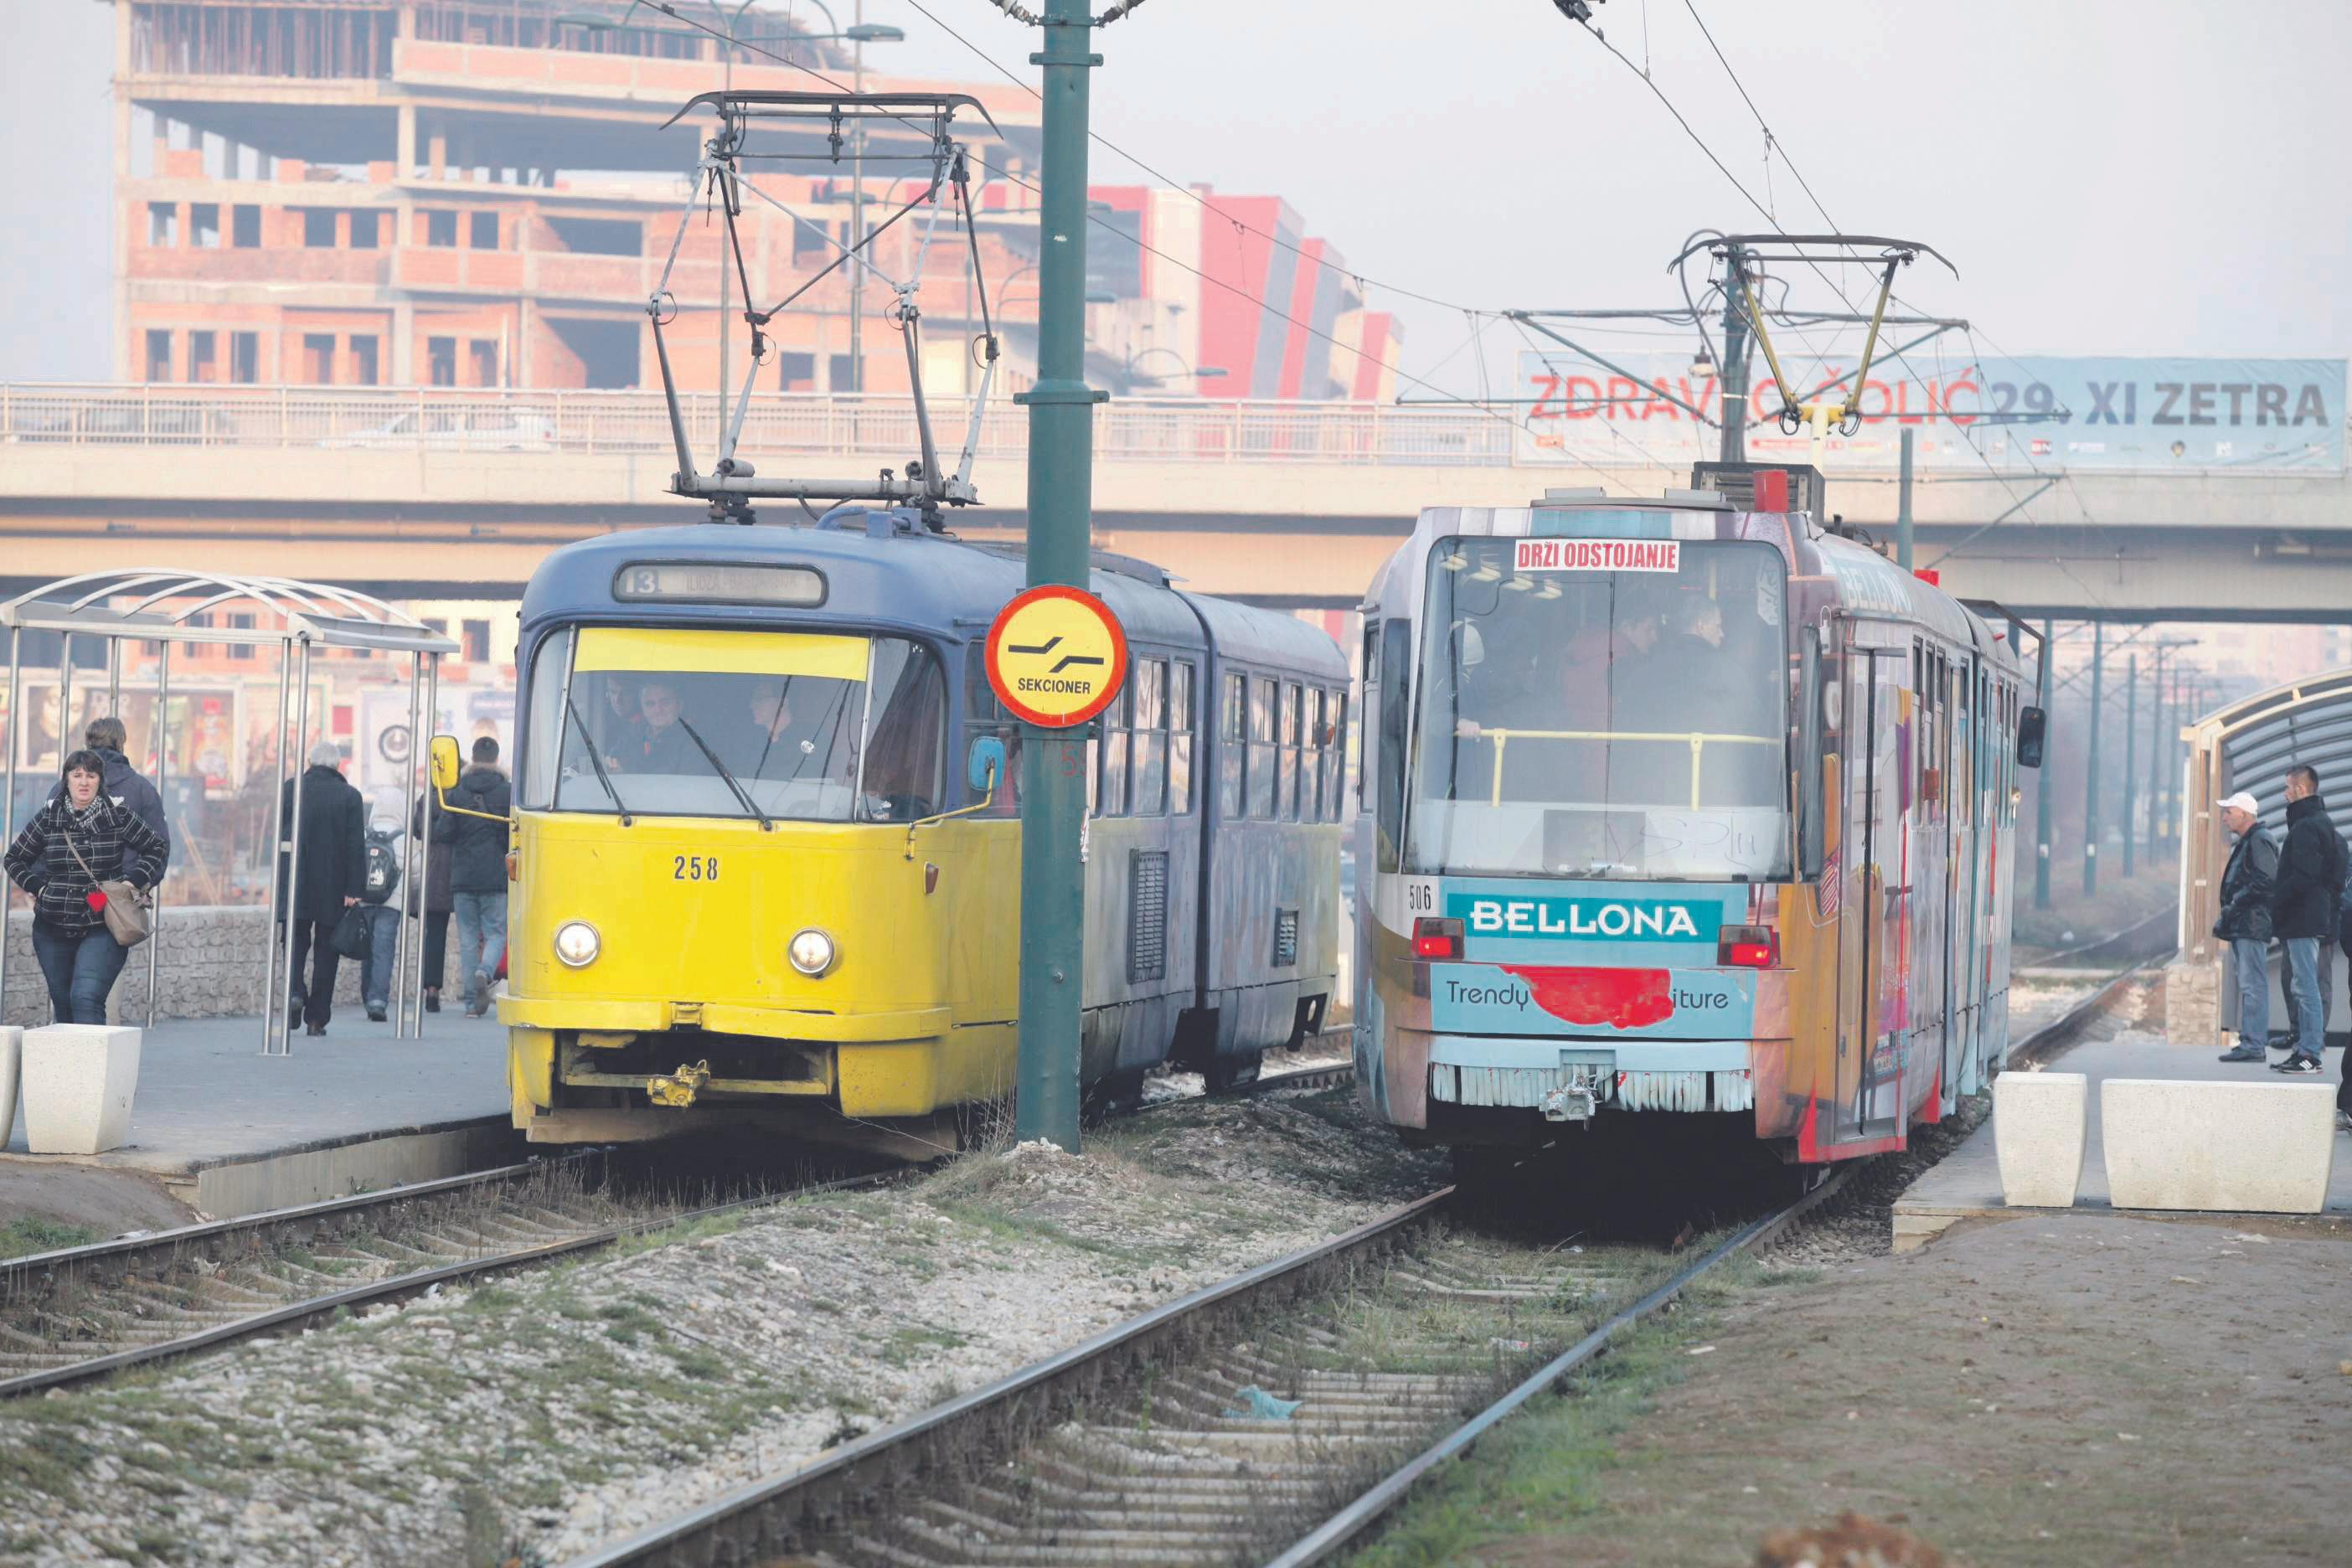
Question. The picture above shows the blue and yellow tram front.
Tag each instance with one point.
(1577, 780)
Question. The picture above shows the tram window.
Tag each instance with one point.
(1233, 748)
(543, 727)
(1264, 744)
(1148, 761)
(830, 729)
(1293, 701)
(1311, 756)
(1607, 724)
(1334, 757)
(1180, 738)
(1112, 799)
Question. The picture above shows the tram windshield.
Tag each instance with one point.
(687, 723)
(1602, 708)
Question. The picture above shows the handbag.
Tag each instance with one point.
(125, 913)
(351, 934)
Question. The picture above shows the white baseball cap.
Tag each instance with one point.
(2244, 802)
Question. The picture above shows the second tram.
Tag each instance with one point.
(1677, 809)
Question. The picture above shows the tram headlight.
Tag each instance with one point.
(811, 952)
(577, 944)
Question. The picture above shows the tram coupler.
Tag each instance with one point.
(678, 1088)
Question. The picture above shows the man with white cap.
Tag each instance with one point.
(2246, 923)
(382, 846)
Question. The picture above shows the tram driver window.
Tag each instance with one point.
(834, 730)
(1603, 723)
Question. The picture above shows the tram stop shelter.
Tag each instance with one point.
(155, 610)
(2246, 745)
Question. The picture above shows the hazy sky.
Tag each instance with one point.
(2116, 176)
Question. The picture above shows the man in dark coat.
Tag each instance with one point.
(474, 836)
(124, 786)
(2303, 910)
(334, 871)
(2245, 925)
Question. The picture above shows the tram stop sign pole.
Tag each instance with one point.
(1061, 520)
(1056, 657)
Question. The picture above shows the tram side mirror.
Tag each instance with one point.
(2032, 724)
(984, 768)
(444, 761)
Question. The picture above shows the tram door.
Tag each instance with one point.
(1869, 1059)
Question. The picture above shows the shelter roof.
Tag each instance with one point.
(162, 604)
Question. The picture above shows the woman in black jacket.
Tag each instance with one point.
(71, 842)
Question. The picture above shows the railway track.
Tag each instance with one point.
(80, 1313)
(1272, 1417)
(1276, 1414)
(71, 1316)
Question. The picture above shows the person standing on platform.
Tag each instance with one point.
(2245, 925)
(124, 786)
(476, 845)
(333, 867)
(73, 843)
(2302, 910)
(383, 853)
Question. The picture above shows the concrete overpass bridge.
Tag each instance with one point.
(443, 493)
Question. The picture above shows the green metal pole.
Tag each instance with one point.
(1061, 519)
(2131, 751)
(1903, 508)
(2091, 768)
(2042, 785)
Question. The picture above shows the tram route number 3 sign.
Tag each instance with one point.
(1057, 657)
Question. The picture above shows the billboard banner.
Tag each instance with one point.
(2256, 416)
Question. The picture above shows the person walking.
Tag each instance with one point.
(476, 845)
(333, 867)
(123, 785)
(2245, 925)
(77, 840)
(383, 850)
(2303, 910)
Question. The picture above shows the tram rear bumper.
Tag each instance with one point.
(1568, 1078)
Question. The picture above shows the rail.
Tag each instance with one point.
(811, 425)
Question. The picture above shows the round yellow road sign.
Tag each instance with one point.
(1056, 656)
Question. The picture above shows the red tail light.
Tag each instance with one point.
(1748, 947)
(1434, 938)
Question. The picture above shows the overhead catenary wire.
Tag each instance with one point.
(1765, 213)
(668, 8)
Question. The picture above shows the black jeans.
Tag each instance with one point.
(437, 947)
(315, 940)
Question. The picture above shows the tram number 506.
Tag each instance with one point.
(694, 868)
(1420, 896)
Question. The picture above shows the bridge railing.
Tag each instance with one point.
(880, 425)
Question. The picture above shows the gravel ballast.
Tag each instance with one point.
(538, 1415)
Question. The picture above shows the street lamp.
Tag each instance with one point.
(1203, 373)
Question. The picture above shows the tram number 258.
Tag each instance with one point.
(694, 868)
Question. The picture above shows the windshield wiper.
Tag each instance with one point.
(597, 761)
(749, 804)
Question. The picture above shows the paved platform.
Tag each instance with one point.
(229, 1132)
(1966, 1184)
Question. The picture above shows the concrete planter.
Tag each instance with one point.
(2257, 1148)
(12, 1055)
(78, 1079)
(2040, 1120)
